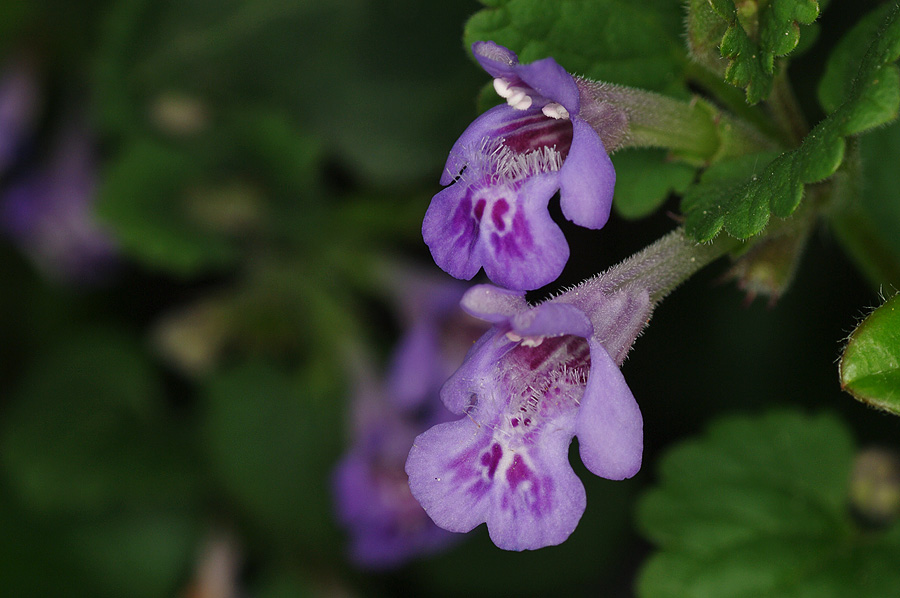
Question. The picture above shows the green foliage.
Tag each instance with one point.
(143, 555)
(777, 186)
(870, 366)
(143, 199)
(705, 29)
(757, 33)
(881, 98)
(84, 435)
(645, 179)
(758, 507)
(866, 211)
(635, 44)
(272, 441)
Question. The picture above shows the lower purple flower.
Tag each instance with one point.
(540, 377)
(387, 526)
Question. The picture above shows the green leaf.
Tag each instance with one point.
(757, 507)
(644, 180)
(870, 366)
(635, 44)
(778, 186)
(143, 555)
(83, 433)
(757, 32)
(143, 199)
(882, 97)
(866, 214)
(271, 442)
(704, 34)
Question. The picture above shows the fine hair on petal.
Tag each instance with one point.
(502, 165)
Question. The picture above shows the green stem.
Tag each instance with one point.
(785, 110)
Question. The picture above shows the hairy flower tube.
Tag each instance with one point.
(504, 169)
(539, 377)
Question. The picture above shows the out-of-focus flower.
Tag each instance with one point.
(539, 377)
(18, 107)
(504, 169)
(437, 335)
(49, 213)
(387, 526)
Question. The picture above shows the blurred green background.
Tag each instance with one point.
(253, 164)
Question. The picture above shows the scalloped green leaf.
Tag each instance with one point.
(757, 507)
(759, 31)
(870, 366)
(778, 185)
(636, 44)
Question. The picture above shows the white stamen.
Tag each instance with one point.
(554, 110)
(517, 96)
(527, 341)
(523, 104)
(501, 86)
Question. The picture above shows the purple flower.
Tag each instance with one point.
(504, 169)
(386, 525)
(538, 378)
(18, 105)
(49, 213)
(436, 338)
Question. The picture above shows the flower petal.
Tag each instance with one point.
(587, 179)
(416, 364)
(531, 251)
(540, 500)
(529, 497)
(497, 60)
(468, 383)
(545, 76)
(609, 425)
(551, 81)
(451, 233)
(493, 304)
(438, 469)
(552, 319)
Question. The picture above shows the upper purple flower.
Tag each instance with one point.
(504, 169)
(538, 378)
